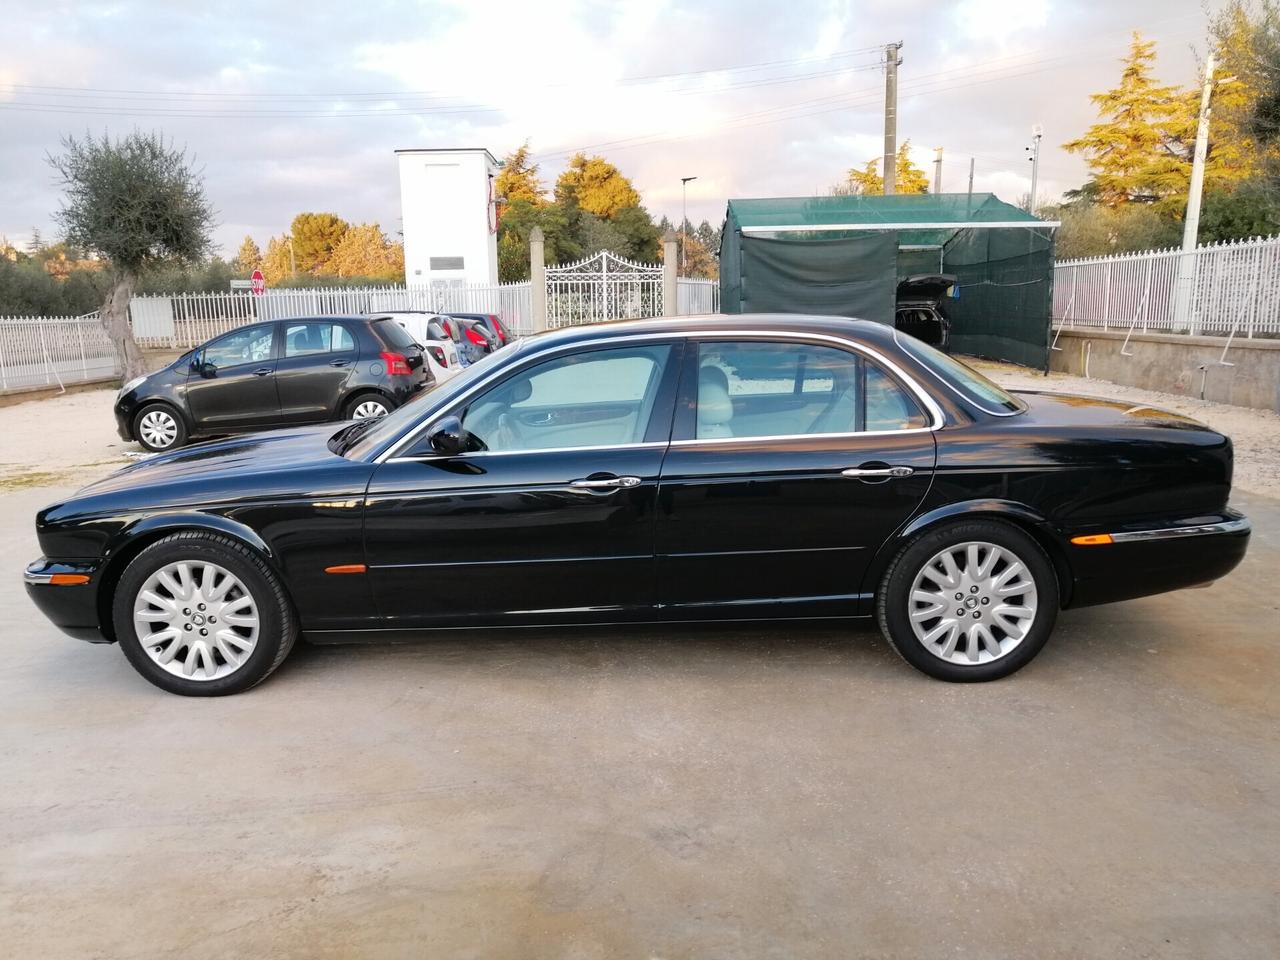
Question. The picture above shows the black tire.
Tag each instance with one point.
(172, 416)
(278, 624)
(368, 396)
(893, 603)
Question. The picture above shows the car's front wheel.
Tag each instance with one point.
(159, 427)
(972, 600)
(202, 615)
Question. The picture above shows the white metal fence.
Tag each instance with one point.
(1234, 290)
(695, 296)
(183, 320)
(54, 351)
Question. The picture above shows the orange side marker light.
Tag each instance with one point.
(1092, 540)
(68, 579)
(347, 568)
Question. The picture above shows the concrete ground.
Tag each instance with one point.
(783, 791)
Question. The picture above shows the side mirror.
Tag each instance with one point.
(447, 437)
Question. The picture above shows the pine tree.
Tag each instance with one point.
(248, 257)
(519, 178)
(908, 178)
(1137, 151)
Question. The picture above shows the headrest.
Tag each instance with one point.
(714, 404)
(520, 391)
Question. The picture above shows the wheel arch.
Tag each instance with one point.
(135, 538)
(353, 392)
(1027, 519)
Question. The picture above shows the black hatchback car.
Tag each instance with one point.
(272, 374)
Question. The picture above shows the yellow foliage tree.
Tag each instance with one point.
(908, 178)
(248, 257)
(596, 186)
(364, 251)
(519, 178)
(1137, 150)
(275, 263)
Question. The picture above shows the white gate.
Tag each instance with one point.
(603, 287)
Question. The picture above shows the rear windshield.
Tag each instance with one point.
(962, 378)
(392, 334)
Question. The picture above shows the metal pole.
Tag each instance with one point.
(891, 62)
(968, 204)
(1191, 225)
(1036, 133)
(937, 170)
(684, 218)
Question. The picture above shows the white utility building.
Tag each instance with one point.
(449, 216)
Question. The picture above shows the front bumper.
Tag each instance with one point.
(72, 607)
(1141, 560)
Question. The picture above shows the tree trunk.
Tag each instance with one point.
(114, 317)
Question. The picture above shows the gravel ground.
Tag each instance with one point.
(71, 439)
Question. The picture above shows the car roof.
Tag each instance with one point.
(865, 330)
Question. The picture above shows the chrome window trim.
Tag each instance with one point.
(704, 335)
(1022, 408)
(471, 455)
(1170, 533)
(774, 437)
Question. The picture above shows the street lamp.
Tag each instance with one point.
(684, 218)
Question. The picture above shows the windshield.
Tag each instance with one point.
(388, 428)
(960, 377)
(392, 334)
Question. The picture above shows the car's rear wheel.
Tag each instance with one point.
(202, 615)
(159, 427)
(973, 600)
(366, 405)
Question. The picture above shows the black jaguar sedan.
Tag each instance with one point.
(701, 468)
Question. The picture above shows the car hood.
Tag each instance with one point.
(1066, 410)
(257, 452)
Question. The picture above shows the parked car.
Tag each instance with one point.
(277, 373)
(476, 339)
(431, 332)
(694, 468)
(920, 311)
(498, 331)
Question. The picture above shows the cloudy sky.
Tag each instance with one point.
(299, 106)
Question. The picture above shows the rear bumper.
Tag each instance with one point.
(73, 609)
(1144, 560)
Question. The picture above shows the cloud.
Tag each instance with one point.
(754, 98)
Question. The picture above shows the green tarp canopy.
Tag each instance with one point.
(844, 256)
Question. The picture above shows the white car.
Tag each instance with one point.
(430, 330)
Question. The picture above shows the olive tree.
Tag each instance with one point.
(134, 202)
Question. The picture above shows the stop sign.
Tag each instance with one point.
(259, 282)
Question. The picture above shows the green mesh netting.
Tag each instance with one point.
(772, 259)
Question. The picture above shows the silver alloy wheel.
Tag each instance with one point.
(196, 620)
(369, 408)
(972, 603)
(158, 428)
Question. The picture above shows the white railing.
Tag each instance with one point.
(54, 351)
(179, 321)
(1234, 289)
(697, 296)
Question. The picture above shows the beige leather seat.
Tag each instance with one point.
(715, 408)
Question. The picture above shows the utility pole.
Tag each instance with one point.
(684, 218)
(891, 62)
(937, 170)
(968, 204)
(1191, 225)
(1036, 133)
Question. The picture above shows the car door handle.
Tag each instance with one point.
(263, 371)
(338, 363)
(886, 473)
(605, 483)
